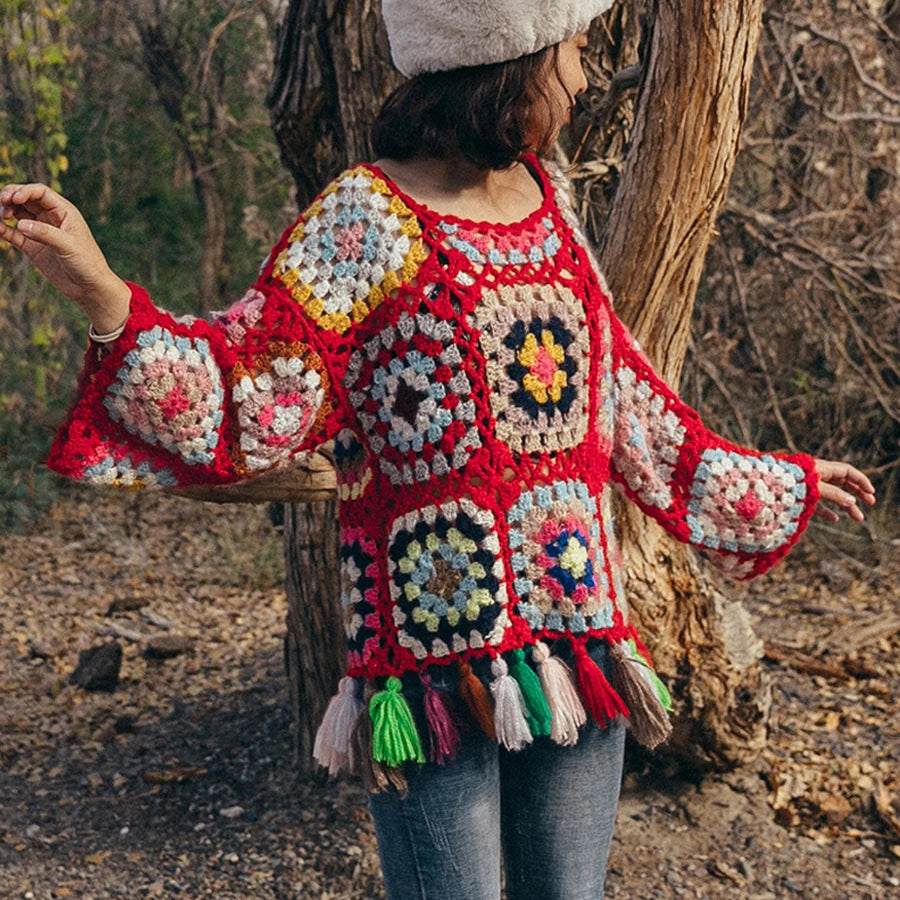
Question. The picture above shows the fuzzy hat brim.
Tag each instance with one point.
(437, 35)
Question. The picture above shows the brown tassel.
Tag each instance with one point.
(650, 723)
(376, 776)
(477, 699)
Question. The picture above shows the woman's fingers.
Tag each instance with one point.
(840, 498)
(844, 486)
(44, 233)
(33, 201)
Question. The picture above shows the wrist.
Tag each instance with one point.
(109, 306)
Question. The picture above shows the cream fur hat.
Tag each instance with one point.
(436, 35)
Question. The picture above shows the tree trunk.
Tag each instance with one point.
(331, 72)
(692, 104)
(332, 69)
(313, 648)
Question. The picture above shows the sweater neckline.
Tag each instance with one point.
(426, 213)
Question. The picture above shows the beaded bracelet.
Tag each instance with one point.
(107, 338)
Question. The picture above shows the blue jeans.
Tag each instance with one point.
(551, 809)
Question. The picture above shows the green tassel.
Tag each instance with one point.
(394, 736)
(665, 698)
(538, 712)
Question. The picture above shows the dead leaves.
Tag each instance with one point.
(175, 775)
(834, 745)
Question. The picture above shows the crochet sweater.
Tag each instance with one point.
(482, 398)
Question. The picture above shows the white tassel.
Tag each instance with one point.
(562, 698)
(509, 708)
(332, 745)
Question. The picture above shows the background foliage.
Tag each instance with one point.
(150, 115)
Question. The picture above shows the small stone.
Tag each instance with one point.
(124, 830)
(124, 724)
(98, 668)
(125, 604)
(32, 831)
(165, 646)
(232, 812)
(838, 576)
(39, 649)
(835, 808)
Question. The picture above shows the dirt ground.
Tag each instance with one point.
(180, 781)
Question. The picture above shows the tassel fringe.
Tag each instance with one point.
(599, 696)
(477, 699)
(332, 744)
(537, 710)
(442, 730)
(394, 737)
(376, 776)
(510, 723)
(567, 712)
(631, 673)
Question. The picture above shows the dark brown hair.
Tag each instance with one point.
(484, 113)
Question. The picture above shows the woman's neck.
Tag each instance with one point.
(459, 188)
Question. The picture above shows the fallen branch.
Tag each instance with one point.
(803, 662)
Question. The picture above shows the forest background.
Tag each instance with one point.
(150, 115)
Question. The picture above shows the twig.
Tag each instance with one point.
(838, 42)
(803, 662)
(751, 331)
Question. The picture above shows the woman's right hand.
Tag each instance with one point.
(52, 233)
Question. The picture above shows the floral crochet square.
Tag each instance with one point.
(446, 579)
(169, 391)
(350, 249)
(536, 347)
(414, 399)
(557, 559)
(277, 398)
(647, 439)
(111, 465)
(745, 503)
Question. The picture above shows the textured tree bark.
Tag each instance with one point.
(691, 107)
(313, 647)
(332, 70)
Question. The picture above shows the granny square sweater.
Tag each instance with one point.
(482, 399)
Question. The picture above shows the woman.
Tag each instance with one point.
(438, 316)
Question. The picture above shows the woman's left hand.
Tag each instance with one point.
(843, 486)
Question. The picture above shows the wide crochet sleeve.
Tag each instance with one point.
(179, 400)
(742, 508)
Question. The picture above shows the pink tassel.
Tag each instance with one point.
(567, 712)
(599, 696)
(444, 736)
(332, 744)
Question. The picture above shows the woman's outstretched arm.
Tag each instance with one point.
(175, 400)
(52, 233)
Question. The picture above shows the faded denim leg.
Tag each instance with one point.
(441, 840)
(559, 808)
